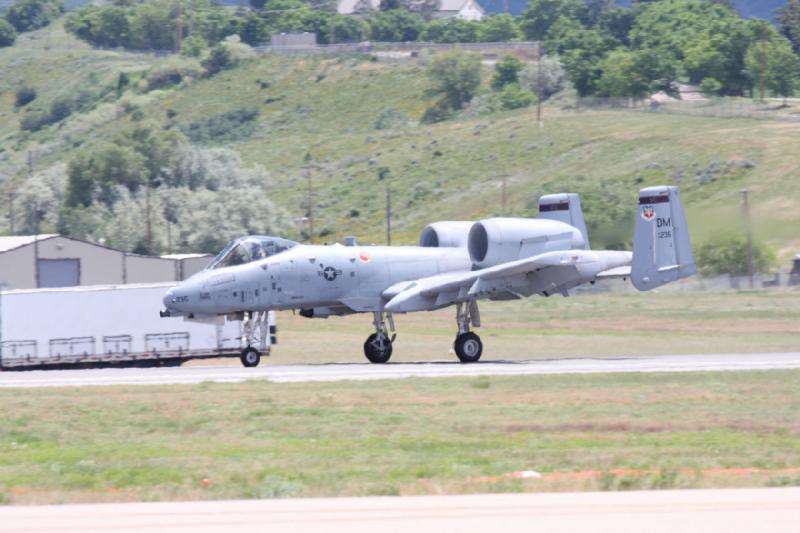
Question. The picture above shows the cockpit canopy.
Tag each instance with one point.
(246, 249)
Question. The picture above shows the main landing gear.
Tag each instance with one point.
(378, 347)
(468, 345)
(255, 329)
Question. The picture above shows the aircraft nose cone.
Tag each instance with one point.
(168, 298)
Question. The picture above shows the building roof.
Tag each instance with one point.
(184, 256)
(348, 7)
(17, 241)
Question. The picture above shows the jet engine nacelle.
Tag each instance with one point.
(499, 240)
(447, 234)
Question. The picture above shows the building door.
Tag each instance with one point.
(59, 272)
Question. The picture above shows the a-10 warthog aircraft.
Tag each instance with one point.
(456, 263)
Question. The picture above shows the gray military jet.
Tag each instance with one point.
(456, 263)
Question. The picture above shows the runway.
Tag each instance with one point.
(366, 371)
(709, 511)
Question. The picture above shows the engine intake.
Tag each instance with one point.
(446, 234)
(499, 240)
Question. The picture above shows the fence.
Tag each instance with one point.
(410, 47)
(771, 109)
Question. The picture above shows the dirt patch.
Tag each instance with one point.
(626, 427)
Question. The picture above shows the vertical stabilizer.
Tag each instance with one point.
(565, 207)
(662, 251)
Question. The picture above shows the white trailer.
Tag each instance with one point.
(112, 326)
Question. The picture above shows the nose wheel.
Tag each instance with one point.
(378, 347)
(250, 357)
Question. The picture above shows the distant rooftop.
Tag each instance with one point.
(179, 257)
(15, 241)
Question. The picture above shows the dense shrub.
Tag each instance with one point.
(25, 95)
(173, 71)
(28, 15)
(231, 126)
(7, 33)
(728, 255)
(513, 96)
(218, 60)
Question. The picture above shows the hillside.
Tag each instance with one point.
(329, 107)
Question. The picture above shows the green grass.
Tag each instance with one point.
(328, 106)
(417, 436)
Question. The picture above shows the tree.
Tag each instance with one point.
(499, 28)
(454, 30)
(218, 59)
(456, 76)
(153, 25)
(396, 25)
(710, 40)
(540, 15)
(789, 22)
(773, 63)
(728, 255)
(581, 51)
(345, 29)
(7, 33)
(553, 77)
(506, 71)
(40, 199)
(636, 73)
(514, 96)
(98, 174)
(28, 15)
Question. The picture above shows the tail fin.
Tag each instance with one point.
(662, 251)
(565, 207)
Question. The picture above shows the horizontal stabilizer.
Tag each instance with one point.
(619, 272)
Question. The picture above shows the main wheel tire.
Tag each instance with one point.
(468, 347)
(376, 351)
(250, 357)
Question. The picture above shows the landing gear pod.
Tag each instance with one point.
(662, 251)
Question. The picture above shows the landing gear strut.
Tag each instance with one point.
(255, 329)
(378, 347)
(468, 345)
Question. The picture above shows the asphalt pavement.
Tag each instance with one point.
(707, 511)
(367, 371)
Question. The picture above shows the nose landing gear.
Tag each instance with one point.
(468, 345)
(255, 329)
(378, 347)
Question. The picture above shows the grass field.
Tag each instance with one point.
(416, 436)
(584, 325)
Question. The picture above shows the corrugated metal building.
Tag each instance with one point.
(32, 261)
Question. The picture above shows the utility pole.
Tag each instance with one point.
(383, 175)
(746, 219)
(539, 83)
(36, 254)
(310, 198)
(179, 29)
(11, 211)
(762, 68)
(3, 287)
(147, 214)
(503, 196)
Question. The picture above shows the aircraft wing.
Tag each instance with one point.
(445, 289)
